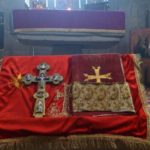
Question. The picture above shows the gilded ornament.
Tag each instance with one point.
(41, 94)
(17, 81)
(101, 93)
(103, 97)
(75, 91)
(114, 93)
(97, 76)
(53, 110)
(124, 92)
(87, 92)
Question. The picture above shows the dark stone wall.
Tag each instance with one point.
(135, 11)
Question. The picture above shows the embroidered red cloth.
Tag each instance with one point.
(111, 63)
(16, 103)
(19, 98)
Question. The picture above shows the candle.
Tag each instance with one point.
(54, 3)
(46, 3)
(27, 2)
(79, 4)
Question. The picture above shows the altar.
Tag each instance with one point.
(90, 116)
(80, 27)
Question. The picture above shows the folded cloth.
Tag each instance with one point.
(105, 68)
(99, 84)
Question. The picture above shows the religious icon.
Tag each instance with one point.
(41, 94)
(37, 4)
(39, 107)
(97, 76)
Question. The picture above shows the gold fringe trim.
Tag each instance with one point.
(66, 100)
(142, 91)
(75, 142)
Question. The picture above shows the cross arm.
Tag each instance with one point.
(28, 79)
(56, 78)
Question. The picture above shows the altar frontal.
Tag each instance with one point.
(63, 95)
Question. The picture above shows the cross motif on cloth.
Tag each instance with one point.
(41, 80)
(59, 95)
(98, 76)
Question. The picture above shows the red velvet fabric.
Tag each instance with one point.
(16, 104)
(111, 63)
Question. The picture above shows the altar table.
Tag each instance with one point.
(50, 27)
(17, 102)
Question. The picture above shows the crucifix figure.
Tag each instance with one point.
(98, 76)
(40, 95)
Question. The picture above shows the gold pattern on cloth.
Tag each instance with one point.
(17, 81)
(53, 110)
(101, 97)
(98, 76)
(142, 91)
(58, 95)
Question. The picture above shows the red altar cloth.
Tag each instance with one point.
(16, 103)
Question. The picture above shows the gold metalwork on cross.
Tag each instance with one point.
(98, 76)
(41, 80)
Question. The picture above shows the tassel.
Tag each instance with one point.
(142, 92)
(78, 142)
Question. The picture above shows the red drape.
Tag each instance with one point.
(16, 104)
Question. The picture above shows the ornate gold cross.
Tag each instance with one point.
(41, 94)
(98, 76)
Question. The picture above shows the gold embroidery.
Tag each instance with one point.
(141, 90)
(87, 92)
(76, 91)
(98, 76)
(125, 91)
(66, 102)
(17, 81)
(100, 97)
(53, 111)
(58, 95)
(114, 92)
(101, 92)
